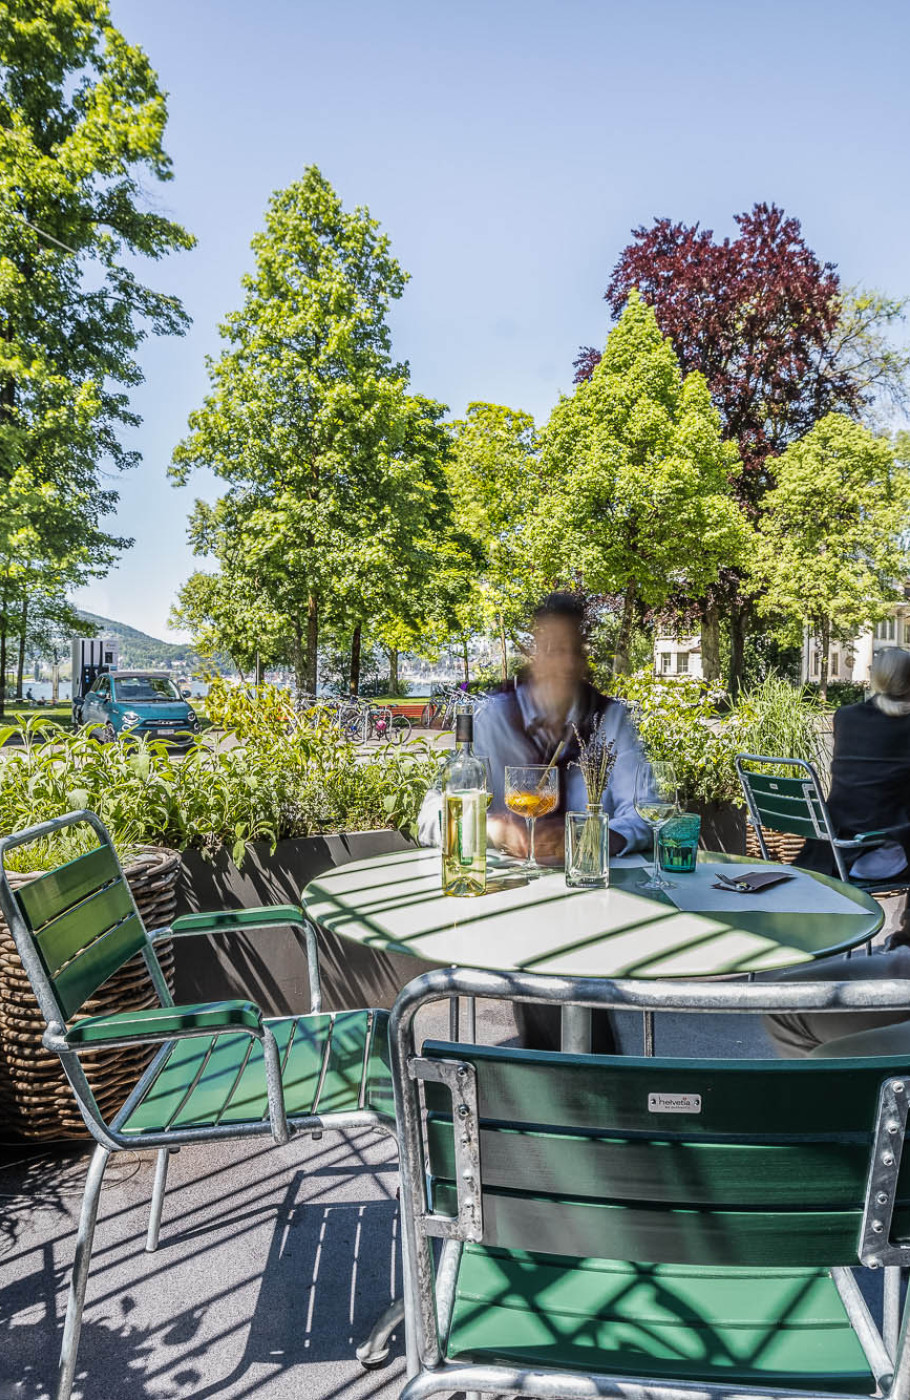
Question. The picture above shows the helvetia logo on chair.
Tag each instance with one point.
(674, 1103)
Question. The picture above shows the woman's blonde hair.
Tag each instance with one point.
(891, 681)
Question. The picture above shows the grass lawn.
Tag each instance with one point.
(18, 711)
(21, 710)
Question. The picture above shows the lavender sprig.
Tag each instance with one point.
(596, 759)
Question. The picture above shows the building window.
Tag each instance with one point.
(816, 664)
(665, 659)
(886, 631)
(682, 663)
(835, 663)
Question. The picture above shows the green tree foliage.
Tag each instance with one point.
(226, 617)
(494, 477)
(335, 471)
(637, 495)
(81, 127)
(832, 552)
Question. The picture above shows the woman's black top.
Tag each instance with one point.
(870, 779)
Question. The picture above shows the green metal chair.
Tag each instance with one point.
(222, 1071)
(650, 1227)
(794, 804)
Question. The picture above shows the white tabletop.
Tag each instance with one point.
(395, 903)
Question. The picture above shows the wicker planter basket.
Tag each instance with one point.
(35, 1099)
(781, 846)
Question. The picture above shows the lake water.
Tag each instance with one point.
(42, 690)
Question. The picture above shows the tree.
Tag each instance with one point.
(754, 315)
(637, 497)
(832, 552)
(81, 126)
(335, 471)
(47, 546)
(494, 478)
(778, 340)
(224, 613)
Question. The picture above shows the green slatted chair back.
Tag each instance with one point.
(80, 920)
(708, 1163)
(792, 803)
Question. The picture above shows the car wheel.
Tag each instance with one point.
(109, 734)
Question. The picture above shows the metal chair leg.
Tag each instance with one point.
(375, 1349)
(158, 1190)
(76, 1299)
(891, 1308)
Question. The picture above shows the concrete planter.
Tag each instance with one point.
(723, 826)
(270, 967)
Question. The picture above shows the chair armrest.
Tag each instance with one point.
(868, 838)
(241, 920)
(271, 916)
(166, 1022)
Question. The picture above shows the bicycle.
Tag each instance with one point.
(384, 724)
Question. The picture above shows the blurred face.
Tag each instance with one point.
(559, 658)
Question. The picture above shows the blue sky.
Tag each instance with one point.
(507, 148)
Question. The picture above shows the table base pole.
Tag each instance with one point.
(575, 1030)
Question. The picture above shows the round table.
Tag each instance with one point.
(394, 903)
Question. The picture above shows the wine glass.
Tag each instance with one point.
(656, 802)
(532, 791)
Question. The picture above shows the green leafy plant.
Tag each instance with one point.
(679, 722)
(276, 781)
(782, 720)
(684, 720)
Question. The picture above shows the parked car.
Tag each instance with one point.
(145, 704)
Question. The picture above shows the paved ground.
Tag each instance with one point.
(273, 1262)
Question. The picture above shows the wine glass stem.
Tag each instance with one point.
(655, 873)
(532, 859)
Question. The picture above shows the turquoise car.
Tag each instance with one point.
(138, 704)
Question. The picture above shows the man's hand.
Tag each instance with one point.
(510, 834)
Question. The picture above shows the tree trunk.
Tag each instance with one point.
(355, 660)
(258, 671)
(464, 652)
(20, 661)
(312, 643)
(394, 681)
(298, 659)
(825, 639)
(739, 621)
(505, 649)
(624, 637)
(3, 625)
(710, 641)
(55, 681)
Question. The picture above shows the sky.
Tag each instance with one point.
(508, 148)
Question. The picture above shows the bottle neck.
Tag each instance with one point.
(464, 733)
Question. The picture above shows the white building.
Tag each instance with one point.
(677, 656)
(852, 660)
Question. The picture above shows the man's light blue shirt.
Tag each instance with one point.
(497, 737)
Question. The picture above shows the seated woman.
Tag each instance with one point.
(870, 791)
(870, 774)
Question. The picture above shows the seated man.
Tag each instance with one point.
(526, 724)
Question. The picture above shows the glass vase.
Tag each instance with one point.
(588, 849)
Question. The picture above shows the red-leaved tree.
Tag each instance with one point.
(755, 314)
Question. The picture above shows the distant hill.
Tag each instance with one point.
(140, 650)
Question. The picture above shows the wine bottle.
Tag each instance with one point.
(464, 813)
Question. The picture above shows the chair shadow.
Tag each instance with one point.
(329, 1271)
(332, 1267)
